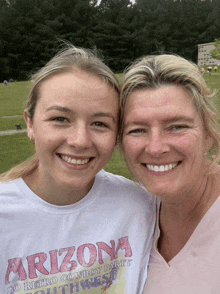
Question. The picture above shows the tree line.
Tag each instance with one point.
(120, 31)
(215, 53)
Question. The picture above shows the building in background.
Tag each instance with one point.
(204, 58)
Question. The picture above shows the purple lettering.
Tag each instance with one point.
(72, 286)
(113, 274)
(63, 288)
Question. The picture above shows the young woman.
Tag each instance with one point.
(66, 225)
(171, 142)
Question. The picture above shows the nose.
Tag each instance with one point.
(157, 144)
(79, 136)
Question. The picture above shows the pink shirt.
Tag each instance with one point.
(196, 268)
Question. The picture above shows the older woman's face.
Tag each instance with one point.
(164, 141)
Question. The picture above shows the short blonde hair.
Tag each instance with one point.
(154, 71)
(68, 59)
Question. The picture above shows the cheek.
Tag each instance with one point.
(191, 145)
(45, 143)
(131, 146)
(109, 144)
(105, 143)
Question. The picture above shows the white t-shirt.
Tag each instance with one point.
(100, 244)
(196, 268)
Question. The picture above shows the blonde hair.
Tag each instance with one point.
(68, 59)
(152, 72)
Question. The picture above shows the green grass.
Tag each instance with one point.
(16, 148)
(117, 165)
(12, 98)
(10, 123)
(213, 81)
(120, 77)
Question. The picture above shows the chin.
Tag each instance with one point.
(159, 191)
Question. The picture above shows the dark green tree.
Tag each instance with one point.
(113, 34)
(215, 53)
(30, 30)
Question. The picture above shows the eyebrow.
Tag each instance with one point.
(105, 114)
(136, 122)
(166, 120)
(179, 118)
(57, 107)
(66, 109)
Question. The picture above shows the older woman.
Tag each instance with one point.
(170, 138)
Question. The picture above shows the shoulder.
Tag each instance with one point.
(9, 188)
(126, 189)
(117, 181)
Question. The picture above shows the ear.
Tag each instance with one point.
(29, 124)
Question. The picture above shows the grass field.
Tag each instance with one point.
(16, 148)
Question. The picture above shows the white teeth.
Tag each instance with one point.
(74, 161)
(161, 168)
(166, 168)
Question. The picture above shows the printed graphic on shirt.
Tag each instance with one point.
(91, 268)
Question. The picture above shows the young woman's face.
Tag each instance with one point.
(164, 140)
(74, 129)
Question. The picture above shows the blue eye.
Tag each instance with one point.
(100, 124)
(60, 119)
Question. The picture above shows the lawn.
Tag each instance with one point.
(12, 102)
(16, 148)
(9, 123)
(13, 97)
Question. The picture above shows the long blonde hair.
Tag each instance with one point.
(67, 59)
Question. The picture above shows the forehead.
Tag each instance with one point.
(76, 77)
(166, 99)
(70, 86)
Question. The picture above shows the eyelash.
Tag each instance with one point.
(100, 124)
(60, 119)
(171, 128)
(178, 127)
(137, 131)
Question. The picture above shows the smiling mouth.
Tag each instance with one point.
(162, 168)
(75, 161)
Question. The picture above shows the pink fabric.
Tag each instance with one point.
(196, 268)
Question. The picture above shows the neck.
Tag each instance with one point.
(193, 204)
(179, 219)
(55, 194)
